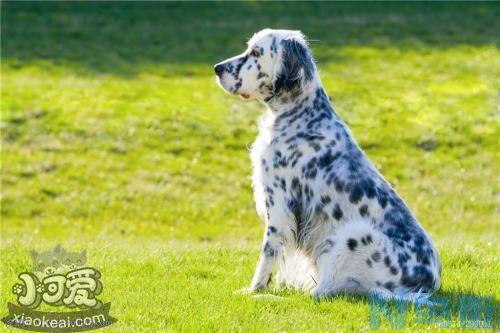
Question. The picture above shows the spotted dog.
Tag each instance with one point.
(333, 223)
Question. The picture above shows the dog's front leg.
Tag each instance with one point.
(272, 251)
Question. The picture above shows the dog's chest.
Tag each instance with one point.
(294, 148)
(286, 159)
(321, 168)
(281, 153)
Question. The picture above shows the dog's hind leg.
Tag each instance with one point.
(325, 278)
(357, 261)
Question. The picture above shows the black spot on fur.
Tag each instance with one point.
(325, 199)
(356, 194)
(389, 285)
(363, 210)
(421, 278)
(369, 262)
(352, 244)
(387, 261)
(310, 170)
(238, 85)
(376, 256)
(366, 240)
(283, 184)
(261, 75)
(326, 159)
(403, 257)
(339, 185)
(337, 212)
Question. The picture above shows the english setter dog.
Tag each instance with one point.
(333, 223)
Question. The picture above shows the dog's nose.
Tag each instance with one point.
(219, 69)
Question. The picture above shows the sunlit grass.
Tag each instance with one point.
(116, 139)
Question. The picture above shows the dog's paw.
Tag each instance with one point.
(319, 294)
(251, 290)
(244, 291)
(268, 296)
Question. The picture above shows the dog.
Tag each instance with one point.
(333, 223)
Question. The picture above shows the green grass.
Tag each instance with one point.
(115, 139)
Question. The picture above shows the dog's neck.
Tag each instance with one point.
(287, 100)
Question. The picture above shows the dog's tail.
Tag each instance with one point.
(295, 271)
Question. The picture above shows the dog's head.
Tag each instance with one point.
(276, 62)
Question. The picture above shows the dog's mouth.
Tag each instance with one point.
(220, 83)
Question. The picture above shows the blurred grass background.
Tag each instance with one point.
(115, 138)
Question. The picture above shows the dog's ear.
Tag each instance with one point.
(296, 68)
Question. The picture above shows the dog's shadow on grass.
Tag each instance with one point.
(471, 309)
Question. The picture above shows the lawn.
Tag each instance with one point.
(116, 139)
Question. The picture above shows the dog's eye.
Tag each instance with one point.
(255, 53)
